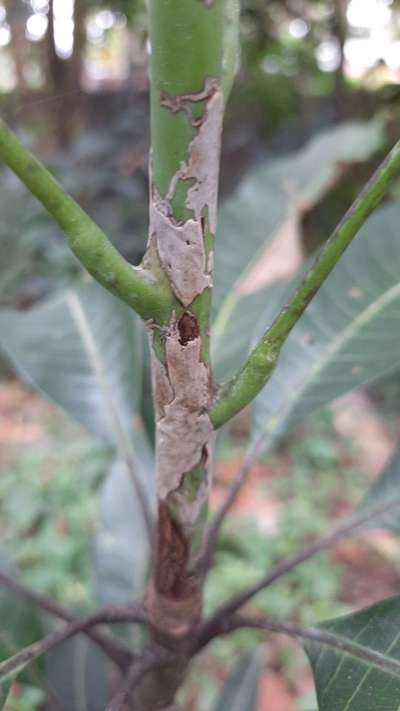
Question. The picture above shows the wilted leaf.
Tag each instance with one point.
(348, 336)
(347, 683)
(241, 688)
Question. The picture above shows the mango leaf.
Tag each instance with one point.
(348, 336)
(5, 687)
(120, 546)
(232, 350)
(77, 673)
(241, 688)
(83, 349)
(385, 489)
(20, 623)
(347, 683)
(259, 233)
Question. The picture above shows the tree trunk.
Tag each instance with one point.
(340, 32)
(64, 75)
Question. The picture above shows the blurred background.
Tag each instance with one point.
(74, 84)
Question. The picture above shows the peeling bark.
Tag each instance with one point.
(182, 381)
(183, 395)
(182, 254)
(202, 164)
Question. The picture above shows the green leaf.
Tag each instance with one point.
(20, 626)
(20, 623)
(232, 350)
(121, 547)
(83, 349)
(345, 683)
(5, 687)
(267, 208)
(77, 672)
(385, 489)
(348, 336)
(241, 688)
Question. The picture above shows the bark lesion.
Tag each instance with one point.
(184, 441)
(171, 574)
(188, 328)
(182, 378)
(184, 102)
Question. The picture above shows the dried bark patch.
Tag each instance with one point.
(184, 428)
(182, 254)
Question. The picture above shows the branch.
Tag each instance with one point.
(319, 636)
(113, 648)
(287, 565)
(263, 359)
(108, 615)
(134, 285)
(33, 674)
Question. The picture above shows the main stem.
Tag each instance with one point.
(187, 105)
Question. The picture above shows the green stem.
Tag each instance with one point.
(262, 360)
(186, 49)
(134, 285)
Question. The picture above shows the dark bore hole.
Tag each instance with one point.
(188, 328)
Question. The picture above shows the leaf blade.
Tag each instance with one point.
(120, 547)
(348, 684)
(346, 338)
(92, 343)
(241, 688)
(385, 488)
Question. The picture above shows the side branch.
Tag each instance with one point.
(318, 636)
(134, 285)
(109, 615)
(263, 359)
(112, 647)
(285, 566)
